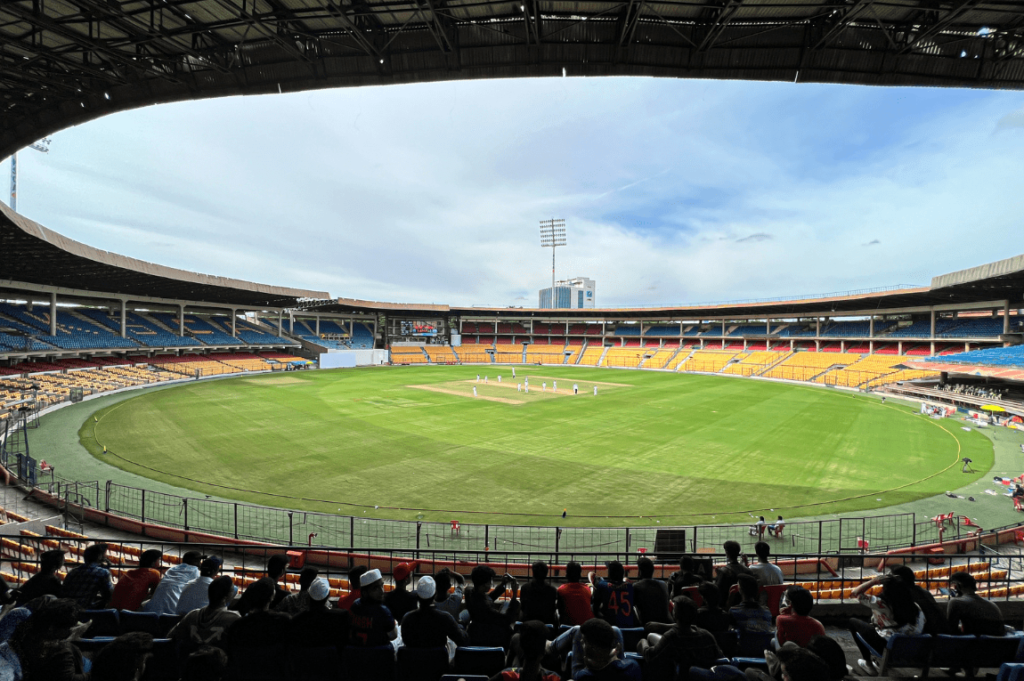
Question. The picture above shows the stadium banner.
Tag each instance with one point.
(341, 359)
(418, 328)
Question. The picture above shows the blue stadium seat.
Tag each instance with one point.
(753, 644)
(951, 651)
(104, 622)
(904, 650)
(421, 664)
(631, 637)
(167, 622)
(1011, 671)
(479, 660)
(148, 622)
(163, 665)
(992, 651)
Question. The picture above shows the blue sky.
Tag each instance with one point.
(673, 191)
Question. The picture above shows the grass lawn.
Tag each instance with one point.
(416, 443)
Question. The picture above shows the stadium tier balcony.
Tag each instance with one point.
(749, 330)
(847, 329)
(201, 330)
(9, 343)
(140, 329)
(362, 337)
(633, 343)
(976, 327)
(920, 328)
(631, 330)
(917, 349)
(862, 348)
(667, 330)
(1000, 357)
(797, 331)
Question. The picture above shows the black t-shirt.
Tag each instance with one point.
(488, 625)
(934, 619)
(261, 629)
(729, 575)
(38, 585)
(650, 596)
(693, 647)
(319, 628)
(713, 619)
(431, 628)
(540, 602)
(680, 580)
(399, 602)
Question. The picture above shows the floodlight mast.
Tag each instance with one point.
(552, 235)
(42, 145)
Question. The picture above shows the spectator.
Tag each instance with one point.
(293, 604)
(44, 642)
(968, 612)
(206, 625)
(260, 627)
(934, 618)
(123, 659)
(894, 612)
(613, 598)
(750, 616)
(683, 646)
(650, 594)
(600, 652)
(730, 572)
(766, 573)
(532, 642)
(829, 650)
(44, 582)
(428, 627)
(206, 664)
(319, 625)
(277, 565)
(449, 602)
(539, 599)
(135, 586)
(354, 575)
(777, 527)
(371, 622)
(89, 585)
(196, 593)
(793, 663)
(400, 600)
(794, 622)
(710, 615)
(491, 624)
(684, 577)
(168, 591)
(574, 597)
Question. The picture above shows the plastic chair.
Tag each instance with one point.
(727, 641)
(479, 660)
(693, 593)
(168, 622)
(148, 622)
(163, 666)
(421, 664)
(903, 650)
(314, 664)
(753, 644)
(1011, 671)
(773, 596)
(993, 651)
(376, 663)
(104, 623)
(631, 637)
(952, 651)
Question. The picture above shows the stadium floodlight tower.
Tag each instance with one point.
(552, 235)
(42, 145)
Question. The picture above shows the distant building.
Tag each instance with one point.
(571, 294)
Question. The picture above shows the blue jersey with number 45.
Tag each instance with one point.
(615, 602)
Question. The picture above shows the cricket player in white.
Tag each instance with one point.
(554, 387)
(575, 389)
(474, 391)
(544, 386)
(595, 391)
(519, 387)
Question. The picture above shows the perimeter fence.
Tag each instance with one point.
(250, 522)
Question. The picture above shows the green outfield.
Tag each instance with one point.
(415, 443)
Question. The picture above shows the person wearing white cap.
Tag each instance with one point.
(319, 626)
(428, 627)
(371, 621)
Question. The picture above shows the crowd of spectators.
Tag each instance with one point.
(974, 391)
(689, 622)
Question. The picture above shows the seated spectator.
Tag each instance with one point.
(371, 623)
(613, 597)
(206, 664)
(293, 604)
(766, 573)
(794, 622)
(196, 593)
(449, 602)
(600, 651)
(490, 624)
(123, 659)
(968, 612)
(136, 586)
(168, 591)
(777, 527)
(260, 627)
(710, 615)
(206, 625)
(934, 618)
(44, 643)
(428, 627)
(277, 565)
(532, 641)
(730, 572)
(831, 653)
(539, 599)
(89, 585)
(750, 616)
(44, 582)
(400, 600)
(684, 577)
(354, 575)
(683, 646)
(893, 612)
(574, 597)
(792, 663)
(650, 595)
(319, 625)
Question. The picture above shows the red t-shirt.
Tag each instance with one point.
(134, 587)
(346, 601)
(799, 629)
(576, 597)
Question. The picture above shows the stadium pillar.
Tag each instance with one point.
(932, 316)
(53, 313)
(234, 318)
(318, 326)
(871, 327)
(124, 318)
(1006, 316)
(280, 322)
(817, 326)
(181, 320)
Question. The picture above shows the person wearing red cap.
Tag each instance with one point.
(399, 600)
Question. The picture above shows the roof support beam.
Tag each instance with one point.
(940, 25)
(722, 18)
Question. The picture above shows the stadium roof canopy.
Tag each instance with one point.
(32, 254)
(984, 287)
(63, 62)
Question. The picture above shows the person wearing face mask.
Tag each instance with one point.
(206, 626)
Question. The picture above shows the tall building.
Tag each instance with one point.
(572, 294)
